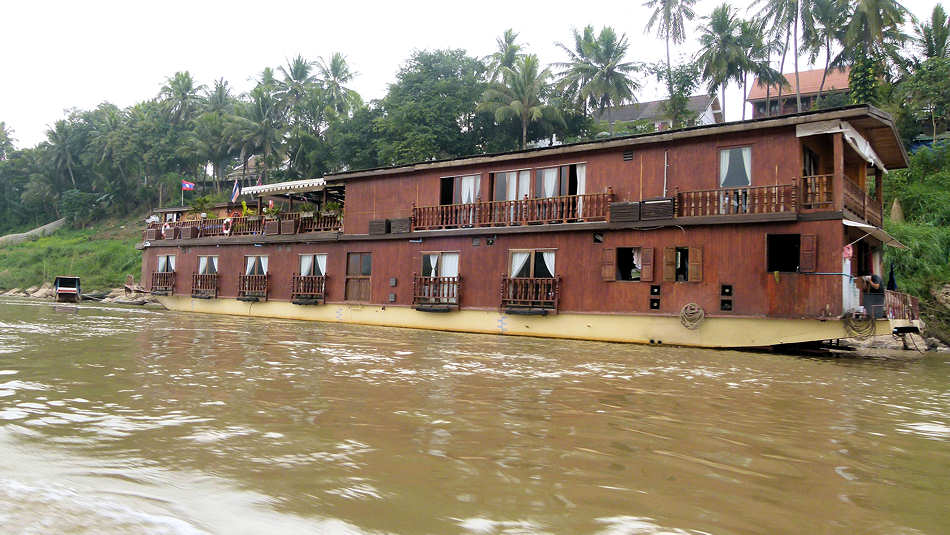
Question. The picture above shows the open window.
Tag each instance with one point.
(207, 265)
(459, 189)
(166, 264)
(629, 263)
(735, 167)
(683, 264)
(313, 265)
(255, 265)
(561, 181)
(440, 264)
(791, 253)
(531, 263)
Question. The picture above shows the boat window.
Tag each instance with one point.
(359, 269)
(166, 263)
(629, 263)
(531, 263)
(682, 264)
(207, 265)
(440, 264)
(255, 265)
(313, 265)
(735, 167)
(459, 189)
(783, 252)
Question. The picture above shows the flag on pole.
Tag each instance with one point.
(235, 192)
(187, 186)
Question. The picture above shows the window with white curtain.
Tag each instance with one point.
(440, 264)
(166, 264)
(207, 265)
(735, 167)
(531, 263)
(313, 265)
(255, 265)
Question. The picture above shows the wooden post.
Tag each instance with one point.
(837, 190)
(879, 186)
(260, 205)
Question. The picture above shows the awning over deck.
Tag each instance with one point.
(854, 138)
(877, 232)
(285, 188)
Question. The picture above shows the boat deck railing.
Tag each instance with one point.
(253, 286)
(527, 211)
(442, 291)
(530, 293)
(204, 285)
(901, 306)
(163, 281)
(308, 287)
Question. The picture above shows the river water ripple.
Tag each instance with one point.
(137, 421)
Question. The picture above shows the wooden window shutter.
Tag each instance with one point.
(808, 254)
(695, 264)
(646, 264)
(608, 266)
(669, 264)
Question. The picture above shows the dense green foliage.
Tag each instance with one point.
(103, 255)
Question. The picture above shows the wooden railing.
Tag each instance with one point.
(565, 209)
(163, 281)
(817, 192)
(857, 201)
(243, 226)
(901, 306)
(541, 293)
(435, 290)
(308, 286)
(253, 286)
(321, 223)
(733, 201)
(204, 285)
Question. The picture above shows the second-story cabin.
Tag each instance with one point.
(622, 239)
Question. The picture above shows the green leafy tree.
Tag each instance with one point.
(181, 96)
(781, 18)
(933, 35)
(681, 82)
(823, 26)
(259, 129)
(64, 143)
(596, 77)
(927, 92)
(521, 95)
(334, 75)
(429, 112)
(6, 141)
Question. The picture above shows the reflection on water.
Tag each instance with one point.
(127, 420)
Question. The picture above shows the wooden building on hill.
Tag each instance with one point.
(760, 96)
(751, 233)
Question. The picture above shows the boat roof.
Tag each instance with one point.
(875, 124)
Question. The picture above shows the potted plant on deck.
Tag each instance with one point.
(272, 219)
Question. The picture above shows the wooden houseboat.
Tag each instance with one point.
(751, 233)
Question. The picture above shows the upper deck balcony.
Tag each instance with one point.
(223, 227)
(527, 211)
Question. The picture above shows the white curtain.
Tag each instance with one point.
(249, 264)
(549, 260)
(450, 265)
(306, 265)
(524, 184)
(518, 260)
(637, 258)
(747, 160)
(511, 186)
(723, 166)
(264, 265)
(171, 263)
(214, 264)
(202, 264)
(549, 177)
(469, 189)
(162, 264)
(581, 187)
(321, 264)
(434, 264)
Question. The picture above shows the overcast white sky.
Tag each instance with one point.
(68, 54)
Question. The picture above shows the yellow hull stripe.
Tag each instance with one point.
(640, 329)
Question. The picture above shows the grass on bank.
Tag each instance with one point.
(102, 255)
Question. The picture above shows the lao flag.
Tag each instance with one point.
(235, 192)
(187, 186)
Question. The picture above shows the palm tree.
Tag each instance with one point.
(209, 142)
(873, 35)
(596, 77)
(756, 51)
(668, 17)
(823, 23)
(181, 97)
(508, 51)
(259, 130)
(62, 144)
(219, 98)
(782, 17)
(333, 77)
(521, 95)
(298, 79)
(933, 35)
(722, 52)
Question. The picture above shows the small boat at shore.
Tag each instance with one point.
(67, 289)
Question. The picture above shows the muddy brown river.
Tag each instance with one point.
(116, 420)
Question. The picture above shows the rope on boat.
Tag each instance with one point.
(859, 326)
(692, 315)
